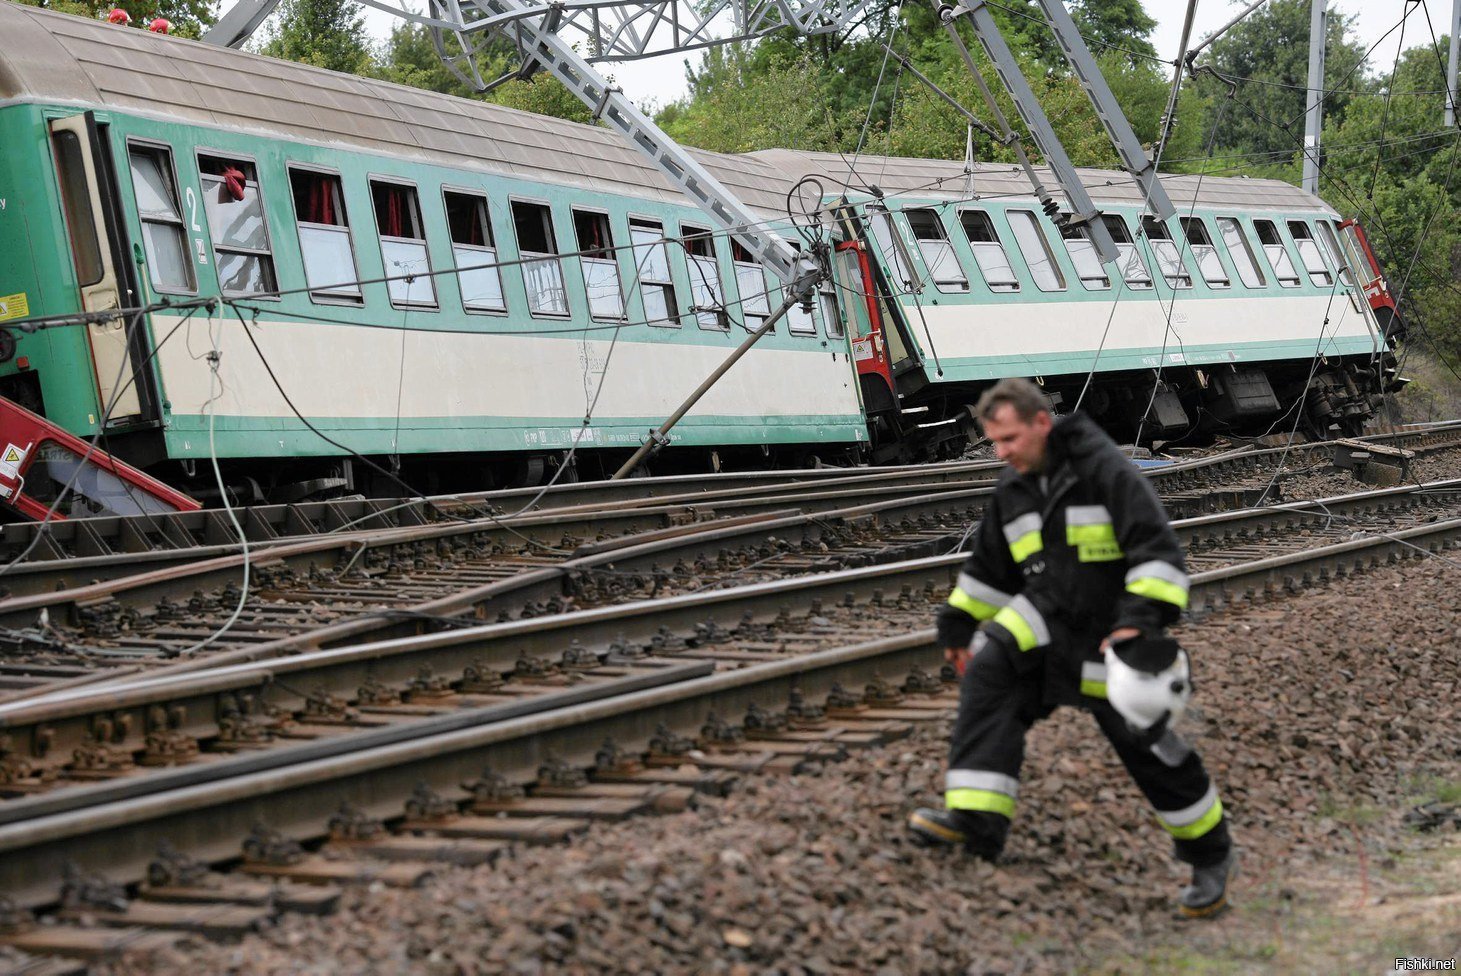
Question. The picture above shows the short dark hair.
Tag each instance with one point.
(1024, 396)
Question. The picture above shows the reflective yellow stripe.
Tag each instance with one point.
(1199, 826)
(1026, 546)
(1159, 589)
(983, 800)
(1077, 534)
(1094, 543)
(1023, 633)
(977, 609)
(1095, 689)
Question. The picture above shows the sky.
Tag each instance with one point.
(660, 80)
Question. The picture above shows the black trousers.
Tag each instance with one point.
(1004, 693)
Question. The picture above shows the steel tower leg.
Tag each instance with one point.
(1133, 158)
(1084, 209)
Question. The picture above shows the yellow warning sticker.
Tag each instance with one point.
(11, 459)
(14, 306)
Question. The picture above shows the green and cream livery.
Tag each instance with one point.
(457, 286)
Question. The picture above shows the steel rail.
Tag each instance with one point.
(120, 834)
(548, 528)
(208, 820)
(267, 524)
(56, 724)
(35, 586)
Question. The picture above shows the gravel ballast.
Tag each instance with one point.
(1323, 716)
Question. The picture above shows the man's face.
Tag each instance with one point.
(1017, 442)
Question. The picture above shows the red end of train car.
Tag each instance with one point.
(38, 459)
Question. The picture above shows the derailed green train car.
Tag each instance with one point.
(320, 208)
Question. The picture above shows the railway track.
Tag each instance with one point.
(164, 539)
(402, 581)
(449, 787)
(115, 730)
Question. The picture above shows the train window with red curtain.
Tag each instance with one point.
(543, 278)
(705, 286)
(324, 236)
(475, 251)
(600, 264)
(235, 210)
(403, 244)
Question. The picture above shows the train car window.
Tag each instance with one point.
(474, 248)
(76, 201)
(652, 264)
(542, 269)
(1278, 255)
(1035, 248)
(403, 244)
(831, 312)
(324, 236)
(1169, 257)
(1205, 253)
(1133, 269)
(989, 253)
(1309, 254)
(804, 323)
(938, 253)
(1330, 246)
(1241, 252)
(752, 286)
(235, 211)
(890, 246)
(169, 265)
(706, 292)
(600, 265)
(1082, 251)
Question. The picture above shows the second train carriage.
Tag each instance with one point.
(1221, 318)
(164, 169)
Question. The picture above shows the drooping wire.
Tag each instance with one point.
(215, 382)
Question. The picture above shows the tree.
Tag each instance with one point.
(740, 105)
(1267, 55)
(325, 33)
(189, 17)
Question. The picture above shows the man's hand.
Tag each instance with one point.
(958, 657)
(1118, 635)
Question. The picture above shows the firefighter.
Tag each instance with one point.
(1071, 578)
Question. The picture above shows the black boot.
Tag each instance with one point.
(949, 828)
(1207, 895)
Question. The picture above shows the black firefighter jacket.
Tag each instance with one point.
(1065, 556)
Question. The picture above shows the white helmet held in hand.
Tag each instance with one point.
(1148, 681)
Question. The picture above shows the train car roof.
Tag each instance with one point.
(65, 59)
(73, 60)
(946, 179)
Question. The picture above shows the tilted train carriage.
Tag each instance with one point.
(322, 210)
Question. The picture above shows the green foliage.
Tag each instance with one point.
(325, 33)
(1268, 54)
(189, 17)
(741, 102)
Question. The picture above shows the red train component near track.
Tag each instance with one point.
(38, 459)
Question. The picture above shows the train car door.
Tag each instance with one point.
(869, 345)
(92, 224)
